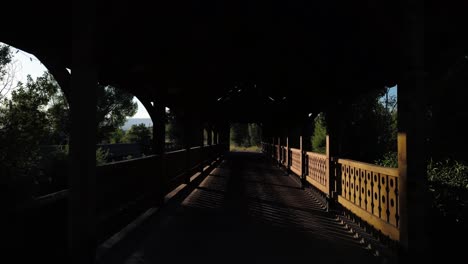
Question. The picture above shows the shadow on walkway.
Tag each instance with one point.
(247, 211)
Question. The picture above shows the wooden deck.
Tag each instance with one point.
(244, 211)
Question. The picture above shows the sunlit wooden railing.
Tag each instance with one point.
(296, 161)
(371, 192)
(368, 191)
(316, 171)
(278, 152)
(284, 156)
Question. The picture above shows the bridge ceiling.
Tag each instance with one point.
(193, 53)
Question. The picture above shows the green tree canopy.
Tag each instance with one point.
(138, 134)
(320, 134)
(246, 135)
(113, 107)
(5, 58)
(23, 128)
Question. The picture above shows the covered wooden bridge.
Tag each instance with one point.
(217, 62)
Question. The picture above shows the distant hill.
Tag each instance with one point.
(137, 121)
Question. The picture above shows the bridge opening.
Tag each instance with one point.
(245, 137)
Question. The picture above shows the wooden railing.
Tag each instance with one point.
(296, 161)
(368, 191)
(195, 157)
(176, 164)
(278, 153)
(124, 190)
(284, 155)
(371, 192)
(316, 171)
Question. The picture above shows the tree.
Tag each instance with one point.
(255, 134)
(368, 127)
(174, 129)
(118, 136)
(239, 134)
(22, 131)
(113, 107)
(37, 114)
(140, 134)
(6, 78)
(320, 134)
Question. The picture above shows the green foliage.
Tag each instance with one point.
(367, 126)
(22, 126)
(448, 186)
(138, 134)
(174, 130)
(320, 134)
(113, 107)
(5, 58)
(255, 134)
(246, 135)
(249, 149)
(36, 115)
(101, 156)
(389, 159)
(239, 134)
(118, 136)
(449, 172)
(22, 130)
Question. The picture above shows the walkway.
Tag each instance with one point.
(244, 211)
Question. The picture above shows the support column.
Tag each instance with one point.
(216, 135)
(333, 141)
(209, 132)
(82, 157)
(287, 158)
(187, 142)
(159, 145)
(278, 152)
(412, 155)
(303, 162)
(201, 139)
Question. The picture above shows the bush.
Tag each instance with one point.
(389, 159)
(449, 172)
(448, 186)
(320, 134)
(101, 156)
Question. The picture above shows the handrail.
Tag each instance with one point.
(295, 150)
(316, 154)
(367, 190)
(175, 151)
(371, 167)
(371, 192)
(316, 171)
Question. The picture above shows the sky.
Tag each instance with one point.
(29, 64)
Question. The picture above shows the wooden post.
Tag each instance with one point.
(201, 140)
(330, 170)
(412, 166)
(187, 144)
(303, 162)
(82, 165)
(159, 141)
(278, 152)
(209, 135)
(412, 155)
(287, 158)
